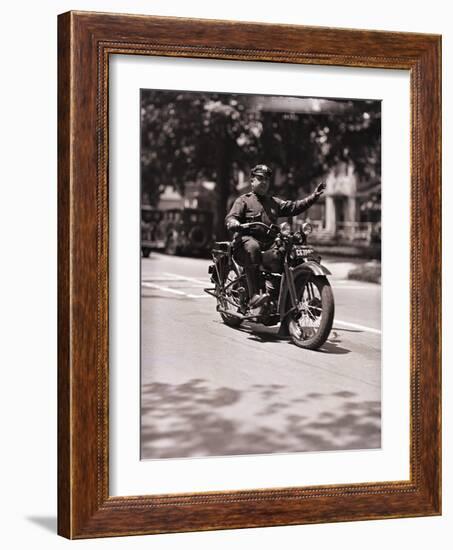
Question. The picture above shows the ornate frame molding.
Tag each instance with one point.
(86, 40)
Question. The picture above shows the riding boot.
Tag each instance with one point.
(257, 299)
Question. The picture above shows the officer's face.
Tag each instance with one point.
(260, 184)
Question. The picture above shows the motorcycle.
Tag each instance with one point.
(298, 293)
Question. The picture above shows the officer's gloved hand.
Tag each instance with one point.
(233, 227)
(320, 188)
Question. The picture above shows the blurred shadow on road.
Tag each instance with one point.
(196, 419)
(332, 345)
(261, 333)
(334, 349)
(270, 334)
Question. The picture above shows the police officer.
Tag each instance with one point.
(259, 206)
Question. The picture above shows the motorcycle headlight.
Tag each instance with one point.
(307, 228)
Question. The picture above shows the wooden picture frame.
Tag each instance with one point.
(85, 41)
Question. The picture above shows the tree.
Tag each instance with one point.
(191, 135)
(307, 145)
(196, 135)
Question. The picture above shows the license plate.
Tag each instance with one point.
(303, 252)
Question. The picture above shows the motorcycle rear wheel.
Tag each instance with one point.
(310, 329)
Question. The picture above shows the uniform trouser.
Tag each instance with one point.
(247, 252)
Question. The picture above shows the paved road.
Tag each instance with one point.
(210, 390)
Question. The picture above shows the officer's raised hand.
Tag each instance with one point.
(320, 188)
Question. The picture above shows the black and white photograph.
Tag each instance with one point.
(260, 274)
(226, 247)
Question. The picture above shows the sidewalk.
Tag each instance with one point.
(341, 267)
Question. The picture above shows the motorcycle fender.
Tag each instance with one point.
(311, 267)
(306, 268)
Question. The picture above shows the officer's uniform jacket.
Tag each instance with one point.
(253, 208)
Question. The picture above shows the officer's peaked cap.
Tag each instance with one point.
(261, 170)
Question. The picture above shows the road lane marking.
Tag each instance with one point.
(191, 279)
(355, 325)
(181, 283)
(164, 288)
(343, 283)
(169, 278)
(185, 278)
(174, 291)
(351, 287)
(160, 279)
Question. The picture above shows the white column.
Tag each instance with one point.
(352, 209)
(331, 220)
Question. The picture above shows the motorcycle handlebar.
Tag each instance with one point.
(254, 224)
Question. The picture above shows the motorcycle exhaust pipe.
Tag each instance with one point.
(238, 315)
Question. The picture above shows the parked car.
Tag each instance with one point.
(186, 231)
(150, 231)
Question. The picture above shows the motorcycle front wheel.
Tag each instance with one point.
(310, 326)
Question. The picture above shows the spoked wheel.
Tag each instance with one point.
(309, 326)
(231, 301)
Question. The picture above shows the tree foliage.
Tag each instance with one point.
(187, 136)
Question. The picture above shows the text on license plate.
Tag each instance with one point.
(303, 252)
